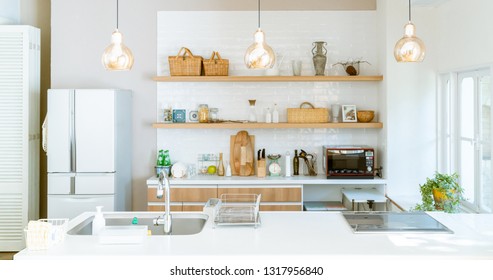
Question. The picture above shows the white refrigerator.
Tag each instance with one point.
(89, 151)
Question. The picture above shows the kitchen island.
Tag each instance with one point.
(290, 234)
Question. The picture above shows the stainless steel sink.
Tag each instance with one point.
(182, 223)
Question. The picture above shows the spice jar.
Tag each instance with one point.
(203, 113)
(213, 115)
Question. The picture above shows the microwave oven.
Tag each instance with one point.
(349, 162)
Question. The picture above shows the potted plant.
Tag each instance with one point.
(442, 193)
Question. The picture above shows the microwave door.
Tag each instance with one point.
(60, 131)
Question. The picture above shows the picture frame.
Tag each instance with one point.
(349, 113)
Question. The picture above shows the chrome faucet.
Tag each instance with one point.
(163, 186)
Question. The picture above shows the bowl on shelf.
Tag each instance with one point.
(365, 116)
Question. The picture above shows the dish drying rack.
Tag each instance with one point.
(44, 233)
(236, 209)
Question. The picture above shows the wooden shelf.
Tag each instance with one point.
(267, 78)
(265, 125)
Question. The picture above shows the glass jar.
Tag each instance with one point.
(203, 113)
(213, 115)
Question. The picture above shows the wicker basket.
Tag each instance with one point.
(186, 64)
(216, 67)
(308, 115)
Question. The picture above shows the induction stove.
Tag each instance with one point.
(392, 222)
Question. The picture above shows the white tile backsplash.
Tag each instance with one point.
(349, 34)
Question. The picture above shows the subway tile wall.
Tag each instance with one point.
(349, 34)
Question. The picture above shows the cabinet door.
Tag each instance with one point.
(193, 207)
(281, 207)
(175, 207)
(269, 194)
(188, 194)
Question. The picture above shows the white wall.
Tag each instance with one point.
(350, 34)
(408, 99)
(9, 11)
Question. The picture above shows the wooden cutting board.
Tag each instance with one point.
(242, 147)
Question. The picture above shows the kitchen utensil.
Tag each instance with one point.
(242, 139)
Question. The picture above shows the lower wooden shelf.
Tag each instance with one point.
(266, 125)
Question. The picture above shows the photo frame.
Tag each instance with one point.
(349, 113)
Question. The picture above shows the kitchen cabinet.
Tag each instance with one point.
(188, 198)
(274, 197)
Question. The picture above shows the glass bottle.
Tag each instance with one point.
(203, 113)
(275, 115)
(253, 113)
(220, 167)
(268, 116)
(296, 163)
(213, 115)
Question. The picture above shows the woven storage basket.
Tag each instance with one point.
(186, 64)
(216, 67)
(308, 115)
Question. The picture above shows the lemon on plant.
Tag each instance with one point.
(211, 169)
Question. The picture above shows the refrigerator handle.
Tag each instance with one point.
(72, 184)
(72, 132)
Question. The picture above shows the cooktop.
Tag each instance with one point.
(392, 222)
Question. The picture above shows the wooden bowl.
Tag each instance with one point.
(366, 116)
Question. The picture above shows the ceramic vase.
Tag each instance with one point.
(319, 57)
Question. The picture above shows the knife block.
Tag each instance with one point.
(261, 168)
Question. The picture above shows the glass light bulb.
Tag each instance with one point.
(117, 56)
(409, 48)
(259, 55)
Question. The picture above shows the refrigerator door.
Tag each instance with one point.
(61, 183)
(70, 206)
(95, 130)
(60, 138)
(95, 183)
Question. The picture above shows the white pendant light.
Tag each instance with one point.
(259, 55)
(409, 48)
(117, 56)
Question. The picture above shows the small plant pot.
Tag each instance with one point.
(440, 196)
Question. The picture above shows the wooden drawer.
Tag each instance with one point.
(184, 194)
(188, 208)
(160, 208)
(268, 194)
(280, 207)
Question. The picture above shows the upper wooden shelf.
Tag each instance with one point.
(267, 78)
(267, 125)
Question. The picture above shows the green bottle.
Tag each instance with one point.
(296, 163)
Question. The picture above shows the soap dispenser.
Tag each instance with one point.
(98, 223)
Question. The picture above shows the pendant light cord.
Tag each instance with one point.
(409, 10)
(258, 7)
(116, 14)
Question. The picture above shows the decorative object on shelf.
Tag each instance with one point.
(275, 115)
(228, 170)
(216, 67)
(193, 116)
(307, 113)
(203, 113)
(351, 66)
(335, 110)
(168, 115)
(442, 193)
(185, 64)
(319, 57)
(213, 118)
(241, 153)
(163, 162)
(365, 116)
(310, 162)
(409, 48)
(287, 164)
(274, 166)
(252, 117)
(268, 116)
(296, 64)
(179, 170)
(179, 115)
(349, 113)
(117, 56)
(259, 55)
(296, 163)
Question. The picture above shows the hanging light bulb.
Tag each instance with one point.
(117, 56)
(409, 48)
(259, 55)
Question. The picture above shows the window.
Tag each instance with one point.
(464, 133)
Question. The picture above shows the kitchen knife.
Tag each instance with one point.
(258, 154)
(263, 153)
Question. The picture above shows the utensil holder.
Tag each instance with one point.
(261, 168)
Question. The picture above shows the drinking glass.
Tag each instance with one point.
(296, 67)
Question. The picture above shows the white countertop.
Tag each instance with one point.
(292, 234)
(274, 180)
